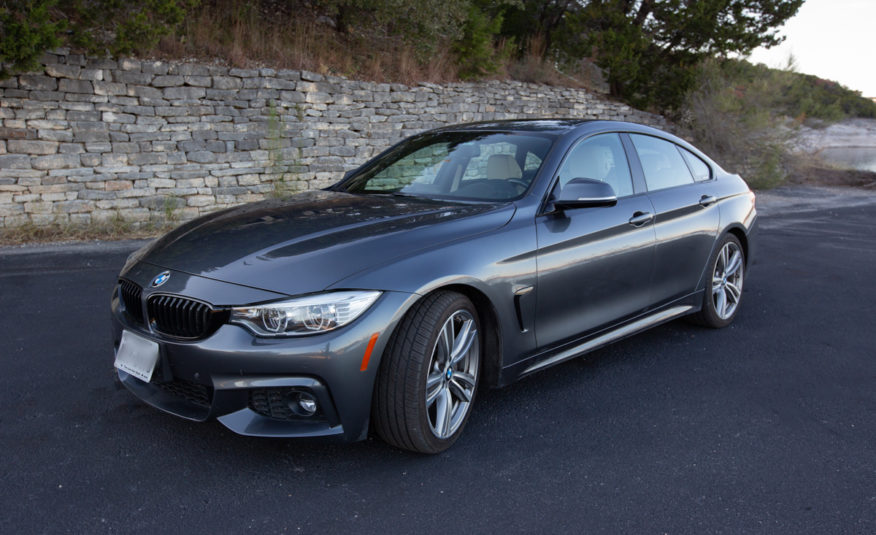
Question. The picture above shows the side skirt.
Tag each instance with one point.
(536, 363)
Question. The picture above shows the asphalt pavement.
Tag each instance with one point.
(768, 426)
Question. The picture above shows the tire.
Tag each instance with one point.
(422, 399)
(723, 293)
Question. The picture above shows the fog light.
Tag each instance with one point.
(306, 404)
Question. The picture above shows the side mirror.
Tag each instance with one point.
(584, 192)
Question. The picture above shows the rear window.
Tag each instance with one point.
(698, 167)
(662, 163)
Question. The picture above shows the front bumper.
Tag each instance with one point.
(248, 383)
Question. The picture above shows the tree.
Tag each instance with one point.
(525, 20)
(651, 48)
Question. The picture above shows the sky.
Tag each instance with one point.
(833, 39)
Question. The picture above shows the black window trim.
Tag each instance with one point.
(681, 151)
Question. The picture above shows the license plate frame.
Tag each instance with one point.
(137, 356)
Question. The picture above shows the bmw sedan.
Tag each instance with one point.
(461, 258)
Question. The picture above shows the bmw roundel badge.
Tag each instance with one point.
(160, 279)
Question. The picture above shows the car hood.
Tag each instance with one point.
(307, 242)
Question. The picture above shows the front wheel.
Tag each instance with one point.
(724, 290)
(429, 374)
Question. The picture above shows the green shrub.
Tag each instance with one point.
(27, 29)
(119, 27)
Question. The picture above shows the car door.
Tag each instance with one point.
(686, 215)
(594, 264)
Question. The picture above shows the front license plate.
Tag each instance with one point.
(137, 356)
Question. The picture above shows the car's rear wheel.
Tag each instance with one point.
(429, 374)
(724, 289)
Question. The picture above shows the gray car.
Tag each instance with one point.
(463, 257)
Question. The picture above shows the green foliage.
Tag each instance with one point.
(27, 29)
(476, 51)
(121, 27)
(738, 121)
(651, 48)
(422, 23)
(30, 27)
(788, 93)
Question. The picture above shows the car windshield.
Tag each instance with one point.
(487, 166)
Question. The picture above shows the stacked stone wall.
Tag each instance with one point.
(88, 139)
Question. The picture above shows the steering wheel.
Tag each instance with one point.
(522, 184)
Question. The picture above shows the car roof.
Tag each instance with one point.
(553, 126)
(568, 129)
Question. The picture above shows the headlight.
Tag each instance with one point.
(304, 315)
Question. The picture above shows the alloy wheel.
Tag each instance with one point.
(452, 374)
(727, 280)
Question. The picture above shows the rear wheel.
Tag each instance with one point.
(724, 289)
(429, 374)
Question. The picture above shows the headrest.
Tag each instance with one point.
(503, 166)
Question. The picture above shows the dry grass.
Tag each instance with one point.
(242, 36)
(115, 229)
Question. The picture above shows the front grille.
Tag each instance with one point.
(131, 296)
(194, 393)
(183, 318)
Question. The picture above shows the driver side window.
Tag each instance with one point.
(600, 157)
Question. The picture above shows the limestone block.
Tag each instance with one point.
(109, 88)
(75, 86)
(185, 93)
(201, 156)
(56, 161)
(14, 161)
(198, 81)
(55, 135)
(28, 146)
(37, 82)
(168, 81)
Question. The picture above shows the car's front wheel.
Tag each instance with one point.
(724, 289)
(429, 374)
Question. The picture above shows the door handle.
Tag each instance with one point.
(707, 200)
(641, 218)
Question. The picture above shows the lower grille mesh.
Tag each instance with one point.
(271, 402)
(194, 393)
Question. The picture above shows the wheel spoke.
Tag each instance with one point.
(716, 284)
(459, 391)
(735, 264)
(443, 413)
(446, 340)
(733, 292)
(463, 342)
(434, 386)
(466, 380)
(721, 304)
